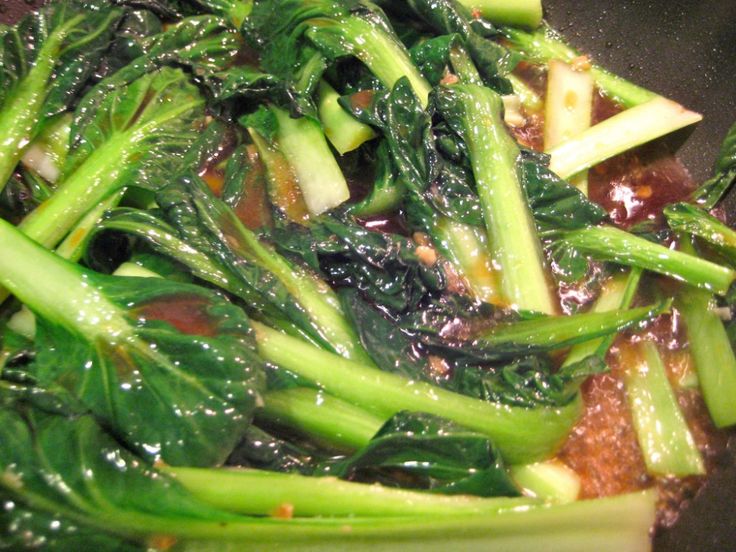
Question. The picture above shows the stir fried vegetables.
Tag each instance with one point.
(290, 274)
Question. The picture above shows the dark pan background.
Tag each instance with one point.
(685, 50)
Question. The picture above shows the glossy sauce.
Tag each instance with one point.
(188, 313)
(602, 448)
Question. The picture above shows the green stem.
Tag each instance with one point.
(617, 134)
(609, 524)
(96, 179)
(476, 113)
(520, 13)
(550, 481)
(327, 419)
(56, 288)
(556, 332)
(611, 244)
(343, 130)
(664, 438)
(320, 179)
(256, 492)
(21, 113)
(522, 434)
(711, 351)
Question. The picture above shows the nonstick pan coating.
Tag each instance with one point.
(685, 50)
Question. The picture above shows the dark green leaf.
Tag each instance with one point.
(555, 203)
(65, 463)
(390, 348)
(713, 190)
(451, 17)
(385, 267)
(188, 362)
(437, 454)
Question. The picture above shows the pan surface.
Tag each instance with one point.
(685, 50)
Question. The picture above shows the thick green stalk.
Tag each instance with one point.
(343, 130)
(320, 179)
(607, 243)
(617, 293)
(520, 13)
(546, 44)
(476, 113)
(610, 524)
(20, 115)
(56, 288)
(623, 131)
(664, 438)
(711, 351)
(326, 419)
(522, 434)
(256, 492)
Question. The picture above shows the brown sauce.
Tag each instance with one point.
(602, 448)
(252, 207)
(185, 312)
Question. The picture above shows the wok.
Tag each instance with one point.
(685, 50)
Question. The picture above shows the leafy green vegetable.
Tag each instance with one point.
(683, 217)
(60, 461)
(492, 60)
(205, 234)
(713, 190)
(385, 267)
(254, 492)
(516, 431)
(46, 59)
(475, 114)
(138, 134)
(612, 244)
(438, 455)
(289, 32)
(131, 353)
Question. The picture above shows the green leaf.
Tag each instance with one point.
(436, 454)
(138, 135)
(555, 203)
(63, 462)
(385, 267)
(713, 190)
(45, 60)
(450, 17)
(134, 350)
